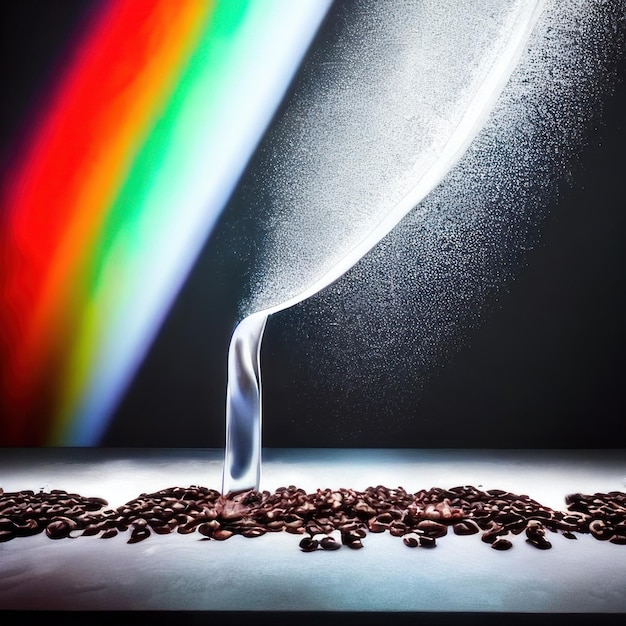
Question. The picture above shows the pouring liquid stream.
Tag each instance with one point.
(243, 446)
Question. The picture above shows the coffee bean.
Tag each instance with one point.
(600, 530)
(108, 534)
(491, 534)
(28, 528)
(535, 529)
(353, 530)
(139, 534)
(349, 527)
(427, 542)
(542, 514)
(501, 544)
(188, 528)
(90, 530)
(313, 529)
(307, 544)
(295, 523)
(567, 527)
(432, 528)
(364, 509)
(484, 523)
(375, 526)
(329, 543)
(508, 518)
(466, 527)
(542, 544)
(222, 534)
(347, 537)
(95, 504)
(411, 541)
(397, 531)
(620, 529)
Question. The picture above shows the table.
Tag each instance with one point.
(270, 574)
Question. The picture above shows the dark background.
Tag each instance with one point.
(544, 370)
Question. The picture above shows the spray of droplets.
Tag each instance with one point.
(409, 305)
(373, 115)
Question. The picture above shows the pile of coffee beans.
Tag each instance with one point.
(326, 519)
(58, 513)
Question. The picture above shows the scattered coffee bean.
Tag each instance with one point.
(329, 543)
(491, 534)
(541, 543)
(535, 530)
(535, 533)
(307, 544)
(350, 538)
(500, 543)
(427, 542)
(138, 534)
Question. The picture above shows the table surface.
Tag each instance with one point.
(270, 573)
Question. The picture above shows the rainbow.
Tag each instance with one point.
(122, 179)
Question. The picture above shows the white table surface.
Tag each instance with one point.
(182, 573)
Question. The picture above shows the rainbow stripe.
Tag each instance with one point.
(129, 167)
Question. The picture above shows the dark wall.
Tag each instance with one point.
(36, 37)
(545, 369)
